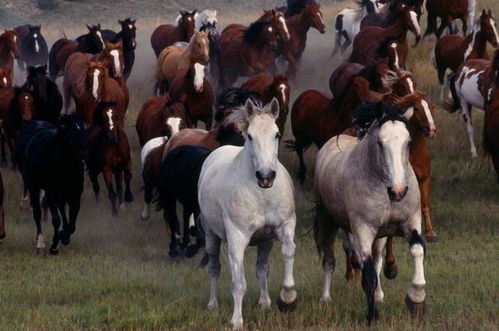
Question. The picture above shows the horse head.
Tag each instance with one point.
(410, 22)
(5, 78)
(423, 112)
(37, 81)
(113, 55)
(174, 118)
(487, 24)
(93, 39)
(313, 14)
(96, 74)
(32, 37)
(211, 30)
(188, 22)
(11, 40)
(24, 103)
(107, 117)
(128, 32)
(278, 22)
(73, 134)
(280, 89)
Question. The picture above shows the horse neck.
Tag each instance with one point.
(479, 40)
(243, 161)
(181, 32)
(299, 25)
(395, 30)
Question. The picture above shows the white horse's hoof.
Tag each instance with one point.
(325, 300)
(379, 296)
(265, 302)
(237, 324)
(213, 305)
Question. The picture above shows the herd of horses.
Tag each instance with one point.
(373, 169)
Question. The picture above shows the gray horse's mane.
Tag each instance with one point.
(240, 117)
(391, 77)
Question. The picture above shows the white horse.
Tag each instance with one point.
(246, 198)
(204, 18)
(347, 23)
(369, 189)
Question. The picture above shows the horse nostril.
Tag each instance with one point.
(259, 175)
(272, 175)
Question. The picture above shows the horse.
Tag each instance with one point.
(51, 158)
(9, 50)
(166, 34)
(204, 18)
(263, 183)
(2, 211)
(452, 50)
(33, 47)
(63, 48)
(383, 198)
(367, 42)
(159, 117)
(388, 16)
(252, 54)
(269, 87)
(471, 86)
(46, 96)
(109, 153)
(490, 136)
(315, 117)
(448, 11)
(347, 23)
(292, 50)
(183, 57)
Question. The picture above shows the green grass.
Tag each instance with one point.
(116, 274)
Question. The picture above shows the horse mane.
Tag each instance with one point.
(407, 100)
(99, 109)
(240, 118)
(252, 32)
(391, 78)
(371, 74)
(236, 97)
(368, 113)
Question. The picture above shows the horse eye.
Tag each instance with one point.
(250, 137)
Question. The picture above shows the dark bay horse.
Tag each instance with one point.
(62, 49)
(32, 46)
(268, 87)
(448, 11)
(9, 50)
(51, 158)
(109, 154)
(168, 34)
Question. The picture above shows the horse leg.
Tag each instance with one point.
(128, 179)
(390, 270)
(337, 43)
(465, 26)
(466, 108)
(441, 78)
(3, 139)
(415, 299)
(213, 251)
(300, 145)
(108, 179)
(148, 194)
(424, 189)
(432, 24)
(34, 194)
(45, 206)
(56, 222)
(170, 217)
(347, 43)
(118, 179)
(24, 205)
(95, 185)
(443, 24)
(186, 239)
(74, 209)
(262, 273)
(348, 249)
(11, 143)
(378, 246)
(325, 233)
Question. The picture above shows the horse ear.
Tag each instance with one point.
(274, 108)
(98, 26)
(89, 27)
(194, 11)
(183, 12)
(249, 106)
(121, 22)
(489, 12)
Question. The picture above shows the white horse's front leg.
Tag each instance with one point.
(378, 246)
(262, 273)
(237, 243)
(466, 108)
(416, 294)
(287, 296)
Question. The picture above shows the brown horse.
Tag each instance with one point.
(367, 43)
(269, 87)
(448, 11)
(8, 51)
(292, 50)
(167, 34)
(159, 117)
(316, 118)
(62, 49)
(109, 153)
(180, 58)
(452, 50)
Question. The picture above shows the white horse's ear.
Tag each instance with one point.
(249, 106)
(408, 113)
(274, 107)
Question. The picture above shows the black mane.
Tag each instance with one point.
(251, 34)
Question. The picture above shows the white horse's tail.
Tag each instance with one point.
(471, 12)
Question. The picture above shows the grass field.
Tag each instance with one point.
(116, 273)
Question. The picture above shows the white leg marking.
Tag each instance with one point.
(145, 212)
(417, 292)
(109, 114)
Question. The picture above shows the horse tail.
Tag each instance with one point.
(339, 23)
(453, 106)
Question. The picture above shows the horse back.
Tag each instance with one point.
(188, 137)
(164, 36)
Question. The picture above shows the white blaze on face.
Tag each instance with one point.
(394, 137)
(130, 26)
(282, 88)
(429, 117)
(285, 27)
(411, 84)
(270, 29)
(100, 38)
(414, 19)
(493, 25)
(37, 47)
(116, 60)
(198, 77)
(15, 39)
(109, 114)
(174, 124)
(396, 64)
(95, 85)
(5, 81)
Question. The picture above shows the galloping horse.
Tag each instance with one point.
(9, 50)
(269, 87)
(452, 50)
(382, 198)
(62, 49)
(50, 158)
(448, 11)
(367, 42)
(109, 153)
(166, 34)
(32, 46)
(266, 188)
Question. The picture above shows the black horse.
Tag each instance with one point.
(46, 96)
(51, 158)
(32, 46)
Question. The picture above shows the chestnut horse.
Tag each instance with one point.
(8, 51)
(316, 118)
(167, 34)
(181, 57)
(109, 153)
(452, 50)
(159, 117)
(62, 49)
(448, 11)
(292, 50)
(367, 42)
(268, 87)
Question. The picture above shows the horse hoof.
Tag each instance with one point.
(191, 251)
(66, 241)
(373, 316)
(390, 270)
(123, 206)
(431, 237)
(415, 310)
(53, 251)
(128, 197)
(287, 300)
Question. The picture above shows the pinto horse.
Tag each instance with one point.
(292, 49)
(269, 87)
(315, 117)
(32, 46)
(9, 50)
(109, 154)
(166, 34)
(159, 117)
(452, 50)
(367, 42)
(448, 11)
(62, 49)
(51, 158)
